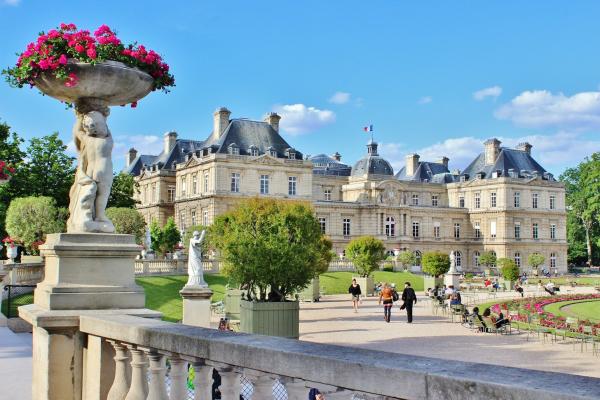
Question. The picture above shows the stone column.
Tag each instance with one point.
(196, 305)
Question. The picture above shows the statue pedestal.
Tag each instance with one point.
(452, 278)
(196, 305)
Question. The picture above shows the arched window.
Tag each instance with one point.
(476, 255)
(518, 259)
(457, 258)
(390, 253)
(390, 227)
(553, 260)
(417, 258)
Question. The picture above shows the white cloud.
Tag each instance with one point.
(298, 118)
(340, 98)
(394, 153)
(144, 144)
(13, 3)
(425, 100)
(461, 151)
(493, 91)
(541, 108)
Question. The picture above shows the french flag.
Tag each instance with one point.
(368, 128)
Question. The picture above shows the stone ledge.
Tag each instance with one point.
(388, 374)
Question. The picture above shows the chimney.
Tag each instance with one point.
(492, 149)
(412, 163)
(337, 156)
(272, 119)
(526, 147)
(444, 161)
(221, 120)
(130, 156)
(170, 140)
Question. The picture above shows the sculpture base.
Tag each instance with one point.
(452, 279)
(196, 305)
(89, 271)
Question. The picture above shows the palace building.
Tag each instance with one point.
(503, 201)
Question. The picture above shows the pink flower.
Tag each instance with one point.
(79, 48)
(44, 64)
(68, 27)
(71, 80)
(134, 104)
(91, 53)
(62, 59)
(53, 34)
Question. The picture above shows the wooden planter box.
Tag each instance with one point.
(312, 291)
(232, 303)
(270, 318)
(367, 284)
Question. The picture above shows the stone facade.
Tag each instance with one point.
(504, 201)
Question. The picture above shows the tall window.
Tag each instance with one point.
(535, 231)
(153, 193)
(517, 230)
(477, 200)
(323, 224)
(552, 231)
(183, 186)
(195, 184)
(171, 193)
(206, 182)
(457, 258)
(193, 215)
(205, 218)
(518, 259)
(517, 199)
(461, 200)
(552, 260)
(390, 227)
(415, 199)
(477, 229)
(415, 231)
(235, 182)
(552, 202)
(493, 199)
(493, 229)
(476, 255)
(417, 258)
(457, 230)
(264, 184)
(436, 230)
(534, 200)
(292, 185)
(346, 227)
(327, 194)
(434, 200)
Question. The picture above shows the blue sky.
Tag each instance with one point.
(437, 78)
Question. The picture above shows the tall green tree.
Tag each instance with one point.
(487, 259)
(128, 221)
(50, 170)
(123, 189)
(406, 259)
(535, 260)
(365, 253)
(11, 153)
(164, 239)
(435, 263)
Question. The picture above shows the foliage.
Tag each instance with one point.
(270, 246)
(128, 221)
(206, 246)
(535, 260)
(123, 189)
(406, 259)
(164, 239)
(12, 155)
(509, 269)
(435, 263)
(29, 219)
(365, 253)
(487, 258)
(50, 53)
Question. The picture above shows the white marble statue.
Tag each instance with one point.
(93, 179)
(195, 272)
(452, 269)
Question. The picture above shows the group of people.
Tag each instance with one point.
(387, 295)
(445, 293)
(486, 320)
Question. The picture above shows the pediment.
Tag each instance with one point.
(390, 184)
(266, 159)
(193, 161)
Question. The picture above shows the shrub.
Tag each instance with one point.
(435, 263)
(365, 253)
(164, 240)
(487, 259)
(535, 260)
(128, 221)
(406, 259)
(508, 268)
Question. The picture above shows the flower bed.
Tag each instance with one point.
(52, 52)
(535, 307)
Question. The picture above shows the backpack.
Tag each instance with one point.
(395, 296)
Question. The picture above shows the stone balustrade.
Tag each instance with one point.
(126, 358)
(172, 267)
(23, 273)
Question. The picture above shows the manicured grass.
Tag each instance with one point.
(15, 303)
(588, 281)
(162, 293)
(581, 309)
(338, 282)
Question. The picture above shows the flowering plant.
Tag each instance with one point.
(5, 171)
(51, 52)
(35, 247)
(8, 241)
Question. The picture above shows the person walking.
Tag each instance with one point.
(409, 298)
(387, 297)
(355, 291)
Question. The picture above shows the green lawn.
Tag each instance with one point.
(589, 281)
(15, 303)
(338, 282)
(582, 309)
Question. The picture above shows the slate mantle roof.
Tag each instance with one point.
(164, 161)
(427, 172)
(510, 162)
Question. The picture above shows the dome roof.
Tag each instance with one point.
(326, 165)
(372, 163)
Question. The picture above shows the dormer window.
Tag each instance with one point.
(463, 178)
(291, 153)
(480, 175)
(233, 149)
(174, 165)
(272, 152)
(253, 151)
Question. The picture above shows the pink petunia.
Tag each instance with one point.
(62, 60)
(91, 53)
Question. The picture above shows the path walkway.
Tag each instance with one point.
(332, 321)
(15, 365)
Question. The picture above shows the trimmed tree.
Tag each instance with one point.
(406, 259)
(508, 268)
(535, 260)
(190, 232)
(122, 191)
(272, 248)
(487, 259)
(128, 221)
(164, 239)
(365, 253)
(435, 263)
(30, 219)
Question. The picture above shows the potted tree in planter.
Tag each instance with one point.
(435, 265)
(510, 272)
(366, 253)
(406, 259)
(273, 249)
(535, 260)
(488, 260)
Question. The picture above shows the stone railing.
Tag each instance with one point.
(126, 359)
(340, 265)
(172, 267)
(23, 273)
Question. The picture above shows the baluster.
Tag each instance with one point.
(139, 380)
(121, 383)
(230, 383)
(179, 375)
(262, 383)
(202, 381)
(157, 389)
(296, 389)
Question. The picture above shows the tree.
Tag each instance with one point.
(365, 253)
(272, 248)
(435, 263)
(535, 260)
(509, 269)
(123, 189)
(128, 221)
(406, 259)
(487, 259)
(164, 240)
(30, 219)
(190, 231)
(50, 171)
(582, 186)
(11, 153)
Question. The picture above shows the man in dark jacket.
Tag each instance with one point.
(409, 298)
